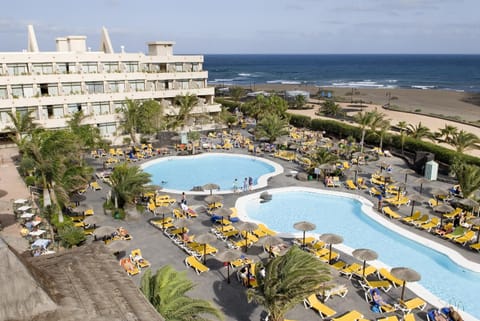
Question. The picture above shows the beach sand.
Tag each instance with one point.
(432, 102)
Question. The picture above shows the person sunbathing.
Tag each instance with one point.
(438, 316)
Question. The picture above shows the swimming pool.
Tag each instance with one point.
(181, 173)
(352, 218)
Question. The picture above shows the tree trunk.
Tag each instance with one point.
(362, 141)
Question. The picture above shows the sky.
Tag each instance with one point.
(251, 26)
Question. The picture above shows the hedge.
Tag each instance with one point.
(231, 105)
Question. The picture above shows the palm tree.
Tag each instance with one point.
(271, 127)
(298, 102)
(468, 177)
(418, 132)
(130, 113)
(166, 291)
(288, 280)
(262, 106)
(127, 183)
(376, 120)
(323, 156)
(363, 119)
(236, 93)
(88, 136)
(402, 125)
(185, 105)
(22, 125)
(463, 141)
(329, 108)
(447, 133)
(383, 126)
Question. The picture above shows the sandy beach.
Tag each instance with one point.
(429, 102)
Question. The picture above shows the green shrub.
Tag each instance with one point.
(231, 105)
(300, 121)
(30, 180)
(71, 235)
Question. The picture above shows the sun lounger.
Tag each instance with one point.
(339, 265)
(193, 262)
(464, 239)
(350, 184)
(374, 192)
(202, 249)
(349, 270)
(386, 275)
(369, 270)
(315, 304)
(177, 213)
(434, 202)
(265, 229)
(129, 267)
(422, 220)
(324, 254)
(361, 183)
(453, 213)
(409, 317)
(339, 290)
(475, 246)
(308, 240)
(95, 186)
(457, 232)
(409, 219)
(137, 258)
(353, 315)
(381, 284)
(410, 305)
(370, 298)
(389, 318)
(433, 223)
(395, 201)
(392, 214)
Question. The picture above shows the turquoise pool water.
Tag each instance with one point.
(343, 216)
(185, 172)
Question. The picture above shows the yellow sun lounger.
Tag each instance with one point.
(315, 304)
(410, 219)
(349, 270)
(350, 184)
(475, 246)
(433, 223)
(464, 239)
(353, 315)
(95, 186)
(265, 229)
(129, 266)
(383, 273)
(389, 318)
(395, 201)
(193, 262)
(137, 258)
(340, 290)
(382, 284)
(412, 304)
(422, 220)
(369, 270)
(391, 213)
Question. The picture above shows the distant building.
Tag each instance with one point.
(292, 94)
(57, 84)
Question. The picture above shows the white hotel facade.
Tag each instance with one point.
(55, 85)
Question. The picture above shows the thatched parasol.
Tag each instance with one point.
(104, 231)
(476, 222)
(224, 212)
(421, 180)
(365, 255)
(438, 192)
(89, 220)
(331, 238)
(304, 226)
(163, 210)
(248, 227)
(442, 209)
(213, 199)
(204, 239)
(407, 171)
(415, 198)
(210, 187)
(468, 202)
(227, 257)
(117, 246)
(406, 275)
(77, 198)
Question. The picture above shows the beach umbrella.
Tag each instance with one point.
(407, 171)
(415, 198)
(77, 198)
(304, 226)
(227, 257)
(118, 246)
(224, 213)
(182, 223)
(436, 192)
(248, 227)
(204, 239)
(476, 222)
(468, 202)
(400, 187)
(442, 209)
(356, 169)
(365, 255)
(327, 168)
(331, 238)
(406, 275)
(210, 187)
(104, 231)
(163, 210)
(213, 199)
(91, 220)
(421, 180)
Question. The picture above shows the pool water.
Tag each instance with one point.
(343, 216)
(183, 173)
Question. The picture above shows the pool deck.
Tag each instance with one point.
(230, 298)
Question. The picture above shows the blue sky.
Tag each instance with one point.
(252, 26)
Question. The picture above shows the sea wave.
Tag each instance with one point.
(284, 82)
(244, 74)
(358, 84)
(423, 87)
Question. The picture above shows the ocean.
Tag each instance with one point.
(446, 72)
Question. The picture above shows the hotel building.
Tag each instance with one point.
(55, 85)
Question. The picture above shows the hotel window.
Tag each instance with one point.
(17, 69)
(101, 108)
(66, 67)
(74, 108)
(110, 66)
(116, 86)
(107, 129)
(95, 87)
(71, 88)
(4, 118)
(178, 67)
(3, 92)
(154, 67)
(22, 91)
(138, 85)
(48, 89)
(196, 67)
(25, 110)
(183, 84)
(53, 111)
(199, 83)
(89, 67)
(131, 66)
(118, 106)
(45, 68)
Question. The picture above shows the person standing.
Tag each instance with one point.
(235, 185)
(184, 199)
(250, 183)
(245, 184)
